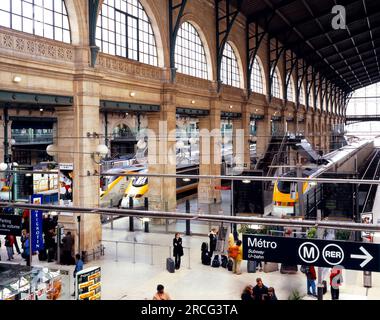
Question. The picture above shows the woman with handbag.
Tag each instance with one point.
(177, 250)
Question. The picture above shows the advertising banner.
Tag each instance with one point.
(10, 225)
(36, 225)
(66, 186)
(88, 285)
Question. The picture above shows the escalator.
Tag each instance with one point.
(273, 155)
(367, 192)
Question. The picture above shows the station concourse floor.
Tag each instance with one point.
(124, 280)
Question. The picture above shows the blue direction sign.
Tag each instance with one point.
(321, 253)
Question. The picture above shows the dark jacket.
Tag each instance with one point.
(259, 292)
(310, 273)
(213, 240)
(177, 247)
(68, 242)
(246, 296)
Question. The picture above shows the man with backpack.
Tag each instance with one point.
(236, 253)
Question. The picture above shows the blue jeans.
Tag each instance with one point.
(10, 252)
(311, 283)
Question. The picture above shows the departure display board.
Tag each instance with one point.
(88, 284)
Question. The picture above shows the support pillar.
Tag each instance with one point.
(161, 154)
(75, 122)
(210, 157)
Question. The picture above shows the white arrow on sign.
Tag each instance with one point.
(367, 256)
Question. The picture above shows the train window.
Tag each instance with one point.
(140, 181)
(284, 186)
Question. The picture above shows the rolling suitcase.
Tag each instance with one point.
(224, 261)
(206, 258)
(251, 266)
(230, 264)
(270, 266)
(324, 286)
(170, 265)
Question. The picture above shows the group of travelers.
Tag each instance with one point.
(259, 292)
(335, 279)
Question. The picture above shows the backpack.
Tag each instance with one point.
(233, 252)
(215, 262)
(224, 261)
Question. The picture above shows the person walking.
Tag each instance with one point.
(260, 291)
(336, 280)
(236, 253)
(311, 276)
(78, 267)
(67, 247)
(160, 294)
(177, 250)
(213, 239)
(8, 242)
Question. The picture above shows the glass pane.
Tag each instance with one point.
(5, 19)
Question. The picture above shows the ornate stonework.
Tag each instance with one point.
(192, 82)
(34, 46)
(132, 69)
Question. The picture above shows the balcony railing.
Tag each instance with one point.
(46, 138)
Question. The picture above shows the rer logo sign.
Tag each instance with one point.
(320, 253)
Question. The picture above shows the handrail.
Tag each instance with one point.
(142, 243)
(151, 245)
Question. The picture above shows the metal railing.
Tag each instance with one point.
(152, 247)
(29, 138)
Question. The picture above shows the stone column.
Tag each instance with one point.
(309, 127)
(161, 154)
(246, 126)
(263, 134)
(210, 157)
(74, 147)
(240, 136)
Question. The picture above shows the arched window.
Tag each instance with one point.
(45, 18)
(276, 92)
(257, 84)
(122, 131)
(190, 57)
(290, 90)
(229, 72)
(302, 93)
(124, 30)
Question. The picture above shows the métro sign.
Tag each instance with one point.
(321, 253)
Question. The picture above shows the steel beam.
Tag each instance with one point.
(174, 24)
(228, 21)
(93, 12)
